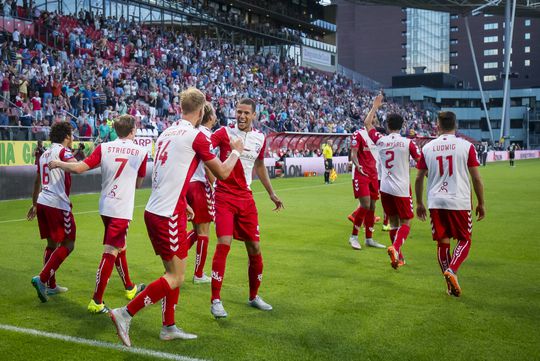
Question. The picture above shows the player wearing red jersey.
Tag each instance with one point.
(236, 213)
(179, 150)
(447, 161)
(200, 197)
(123, 167)
(51, 204)
(395, 152)
(365, 182)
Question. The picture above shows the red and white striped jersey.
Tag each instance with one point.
(395, 152)
(447, 160)
(122, 162)
(200, 174)
(367, 152)
(179, 150)
(238, 183)
(55, 183)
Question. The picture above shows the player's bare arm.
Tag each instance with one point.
(262, 173)
(478, 186)
(223, 170)
(37, 188)
(139, 182)
(356, 163)
(419, 191)
(210, 176)
(368, 122)
(71, 166)
(189, 212)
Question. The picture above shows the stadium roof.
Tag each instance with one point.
(524, 7)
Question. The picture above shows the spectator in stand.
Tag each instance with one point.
(4, 123)
(36, 107)
(104, 131)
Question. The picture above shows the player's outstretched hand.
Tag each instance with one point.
(237, 144)
(378, 101)
(480, 212)
(54, 164)
(277, 202)
(421, 212)
(31, 213)
(189, 213)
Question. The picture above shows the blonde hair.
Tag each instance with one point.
(192, 100)
(209, 112)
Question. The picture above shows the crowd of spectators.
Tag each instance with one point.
(110, 67)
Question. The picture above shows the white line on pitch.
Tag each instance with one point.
(101, 344)
(142, 205)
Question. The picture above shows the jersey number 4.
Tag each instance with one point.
(450, 161)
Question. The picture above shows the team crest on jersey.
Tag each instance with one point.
(354, 142)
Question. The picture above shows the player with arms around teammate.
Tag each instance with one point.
(123, 167)
(236, 213)
(395, 152)
(365, 181)
(179, 150)
(448, 161)
(200, 198)
(52, 206)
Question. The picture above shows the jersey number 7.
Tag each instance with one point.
(123, 162)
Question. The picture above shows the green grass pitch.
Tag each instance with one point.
(330, 302)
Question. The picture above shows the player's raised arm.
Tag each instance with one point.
(262, 173)
(223, 170)
(368, 122)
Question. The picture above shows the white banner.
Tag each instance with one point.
(296, 167)
(495, 156)
(146, 142)
(316, 56)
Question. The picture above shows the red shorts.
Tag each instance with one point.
(236, 217)
(365, 187)
(200, 198)
(446, 223)
(397, 206)
(55, 223)
(115, 231)
(168, 235)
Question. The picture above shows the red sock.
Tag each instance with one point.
(401, 236)
(200, 258)
(369, 221)
(255, 270)
(460, 254)
(123, 271)
(46, 256)
(385, 221)
(154, 292)
(168, 307)
(392, 233)
(443, 255)
(358, 220)
(218, 269)
(54, 262)
(102, 276)
(191, 238)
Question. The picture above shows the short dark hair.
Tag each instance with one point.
(60, 131)
(123, 125)
(249, 101)
(209, 112)
(394, 121)
(447, 121)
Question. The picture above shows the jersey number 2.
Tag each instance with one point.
(390, 159)
(450, 160)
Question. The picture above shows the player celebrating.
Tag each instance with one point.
(447, 161)
(52, 206)
(365, 182)
(123, 167)
(200, 197)
(394, 152)
(179, 149)
(236, 213)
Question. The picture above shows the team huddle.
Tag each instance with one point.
(190, 182)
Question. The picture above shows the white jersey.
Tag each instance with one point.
(55, 183)
(394, 153)
(179, 150)
(122, 162)
(200, 174)
(239, 182)
(447, 160)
